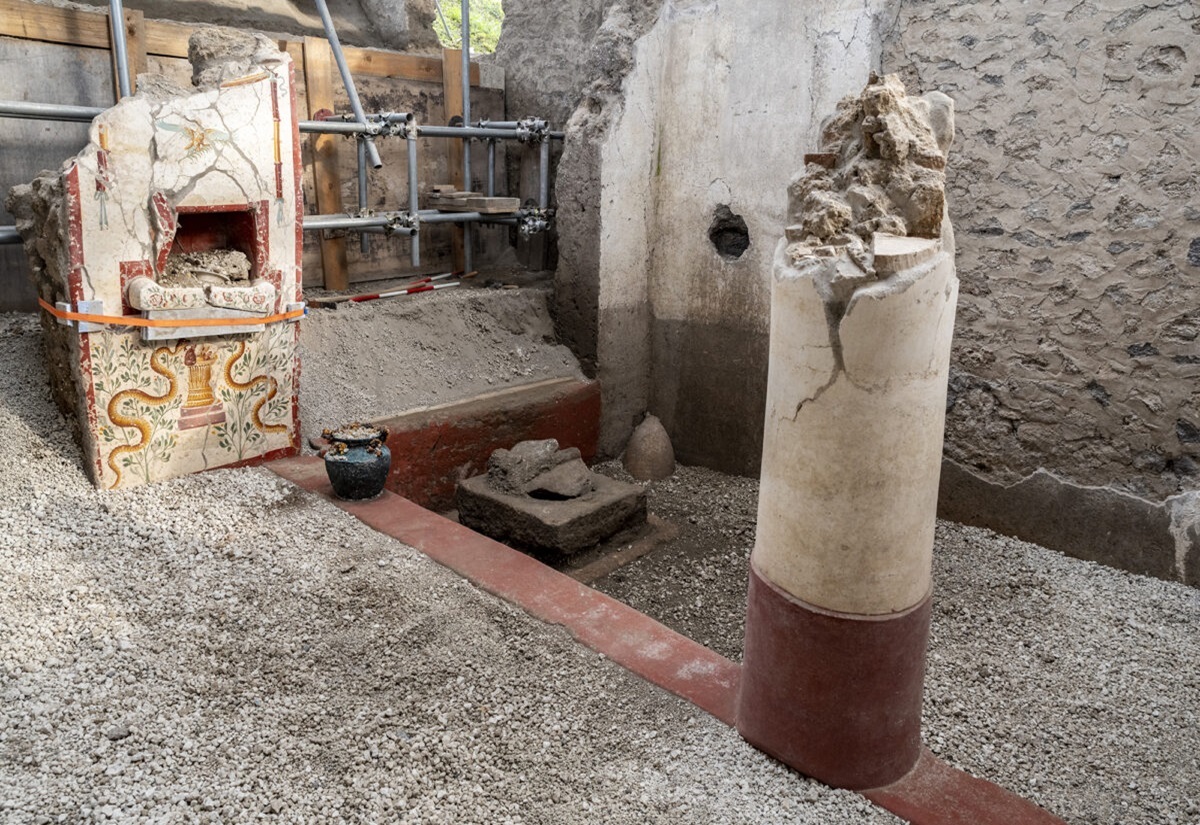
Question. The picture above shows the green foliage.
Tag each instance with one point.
(486, 18)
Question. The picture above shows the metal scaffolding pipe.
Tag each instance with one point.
(466, 218)
(364, 243)
(544, 175)
(491, 168)
(373, 127)
(413, 205)
(83, 114)
(376, 224)
(337, 127)
(116, 23)
(451, 217)
(460, 132)
(468, 241)
(466, 95)
(47, 111)
(468, 229)
(313, 223)
(347, 79)
(512, 124)
(393, 117)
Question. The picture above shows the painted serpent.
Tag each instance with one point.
(140, 424)
(272, 391)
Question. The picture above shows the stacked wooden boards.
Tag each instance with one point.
(446, 198)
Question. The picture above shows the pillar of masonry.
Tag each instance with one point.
(838, 612)
(862, 315)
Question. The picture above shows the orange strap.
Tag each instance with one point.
(134, 321)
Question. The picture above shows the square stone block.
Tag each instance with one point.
(564, 526)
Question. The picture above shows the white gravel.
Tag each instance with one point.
(1073, 684)
(228, 648)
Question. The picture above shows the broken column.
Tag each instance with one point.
(175, 235)
(862, 314)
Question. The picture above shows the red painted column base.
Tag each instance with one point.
(835, 696)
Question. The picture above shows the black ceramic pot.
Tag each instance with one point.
(357, 460)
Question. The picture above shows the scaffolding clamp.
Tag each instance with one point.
(532, 221)
(407, 222)
(369, 129)
(393, 124)
(532, 130)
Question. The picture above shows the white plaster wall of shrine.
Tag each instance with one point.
(216, 166)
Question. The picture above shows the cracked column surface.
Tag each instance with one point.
(862, 314)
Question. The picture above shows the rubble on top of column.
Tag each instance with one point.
(881, 169)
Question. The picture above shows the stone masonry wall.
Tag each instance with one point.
(1074, 195)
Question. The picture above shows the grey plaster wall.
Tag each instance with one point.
(744, 88)
(547, 55)
(1075, 390)
(691, 106)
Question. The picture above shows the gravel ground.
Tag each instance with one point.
(228, 648)
(1074, 684)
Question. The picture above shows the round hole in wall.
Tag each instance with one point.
(728, 233)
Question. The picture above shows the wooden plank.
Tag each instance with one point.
(475, 203)
(32, 21)
(87, 27)
(379, 63)
(453, 107)
(318, 78)
(168, 39)
(295, 49)
(171, 40)
(493, 206)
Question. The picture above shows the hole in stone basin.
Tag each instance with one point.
(548, 495)
(728, 233)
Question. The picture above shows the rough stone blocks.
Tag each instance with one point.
(550, 525)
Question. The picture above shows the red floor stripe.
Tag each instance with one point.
(932, 794)
(631, 639)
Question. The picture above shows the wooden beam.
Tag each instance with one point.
(379, 63)
(318, 79)
(89, 28)
(453, 99)
(171, 40)
(167, 39)
(33, 21)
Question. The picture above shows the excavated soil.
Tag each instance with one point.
(365, 361)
